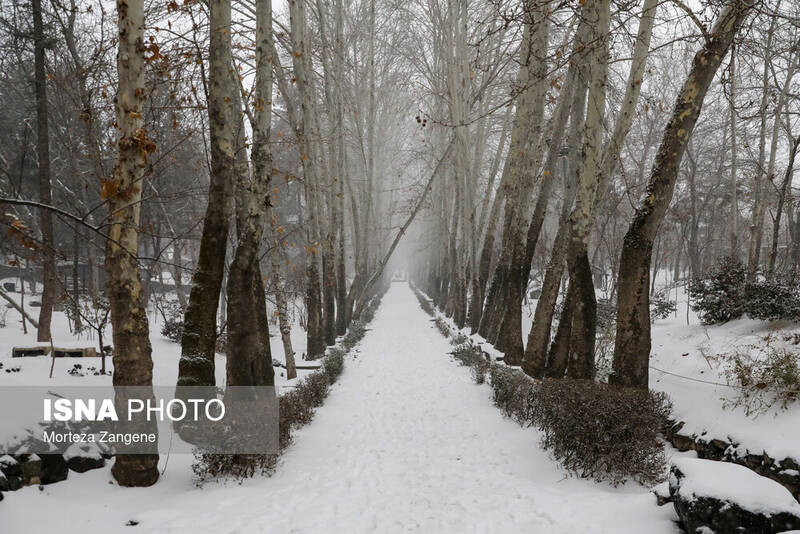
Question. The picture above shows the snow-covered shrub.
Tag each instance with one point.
(354, 334)
(333, 364)
(607, 433)
(718, 295)
(459, 339)
(771, 300)
(764, 376)
(661, 306)
(209, 466)
(442, 325)
(513, 392)
(472, 357)
(172, 315)
(424, 303)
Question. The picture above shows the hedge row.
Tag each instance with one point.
(597, 431)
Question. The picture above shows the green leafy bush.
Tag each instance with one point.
(771, 300)
(661, 306)
(718, 296)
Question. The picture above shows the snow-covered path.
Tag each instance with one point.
(405, 442)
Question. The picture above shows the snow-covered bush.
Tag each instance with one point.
(718, 296)
(354, 334)
(172, 315)
(472, 357)
(771, 300)
(208, 466)
(722, 294)
(661, 306)
(764, 376)
(424, 303)
(513, 392)
(594, 430)
(607, 433)
(442, 325)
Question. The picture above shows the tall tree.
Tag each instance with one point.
(133, 364)
(632, 345)
(45, 186)
(196, 367)
(249, 358)
(308, 139)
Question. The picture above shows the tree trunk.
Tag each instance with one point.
(196, 366)
(48, 252)
(505, 309)
(734, 214)
(249, 357)
(133, 365)
(307, 140)
(760, 177)
(776, 227)
(632, 347)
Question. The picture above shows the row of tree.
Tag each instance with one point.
(587, 150)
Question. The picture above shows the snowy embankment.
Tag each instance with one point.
(405, 442)
(684, 365)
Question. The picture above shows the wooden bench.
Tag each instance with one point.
(44, 350)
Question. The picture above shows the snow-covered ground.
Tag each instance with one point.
(166, 353)
(682, 345)
(688, 350)
(405, 442)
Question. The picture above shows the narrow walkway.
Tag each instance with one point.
(406, 442)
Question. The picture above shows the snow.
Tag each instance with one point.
(35, 371)
(733, 483)
(166, 353)
(686, 350)
(405, 442)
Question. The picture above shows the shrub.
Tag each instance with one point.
(661, 306)
(459, 339)
(172, 314)
(594, 430)
(208, 466)
(607, 433)
(718, 296)
(513, 392)
(354, 334)
(771, 300)
(472, 357)
(763, 375)
(442, 325)
(424, 303)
